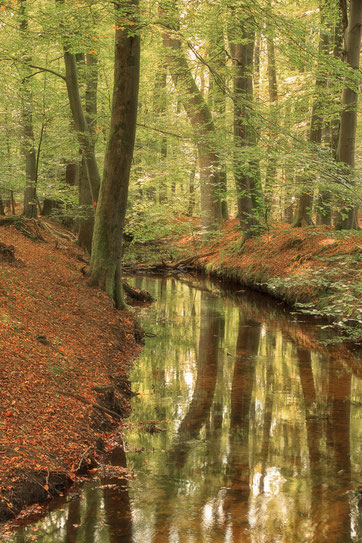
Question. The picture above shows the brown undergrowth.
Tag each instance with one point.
(314, 269)
(65, 355)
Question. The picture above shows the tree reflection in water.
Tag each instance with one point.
(263, 433)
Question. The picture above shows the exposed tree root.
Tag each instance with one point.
(182, 265)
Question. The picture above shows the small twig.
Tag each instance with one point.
(92, 404)
(82, 458)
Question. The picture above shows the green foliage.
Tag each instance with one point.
(334, 292)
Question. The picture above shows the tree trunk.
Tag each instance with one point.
(217, 101)
(80, 122)
(348, 127)
(160, 107)
(271, 167)
(28, 143)
(201, 120)
(86, 223)
(112, 203)
(246, 172)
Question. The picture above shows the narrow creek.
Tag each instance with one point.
(243, 432)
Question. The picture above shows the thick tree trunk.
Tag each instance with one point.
(112, 203)
(348, 127)
(246, 173)
(28, 143)
(201, 120)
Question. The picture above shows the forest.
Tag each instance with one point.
(245, 110)
(180, 182)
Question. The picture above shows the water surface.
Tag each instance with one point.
(244, 431)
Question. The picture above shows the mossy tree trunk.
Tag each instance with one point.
(348, 127)
(111, 208)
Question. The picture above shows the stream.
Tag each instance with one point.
(244, 431)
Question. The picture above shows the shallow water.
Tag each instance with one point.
(243, 432)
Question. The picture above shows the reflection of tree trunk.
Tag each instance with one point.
(117, 503)
(268, 410)
(92, 499)
(338, 429)
(244, 369)
(312, 425)
(338, 438)
(197, 413)
(73, 521)
(237, 496)
(206, 372)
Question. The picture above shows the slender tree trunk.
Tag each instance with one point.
(217, 102)
(271, 167)
(160, 107)
(305, 204)
(112, 203)
(80, 122)
(348, 128)
(86, 224)
(28, 143)
(201, 120)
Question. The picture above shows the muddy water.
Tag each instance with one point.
(243, 432)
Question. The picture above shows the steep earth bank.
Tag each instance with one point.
(65, 356)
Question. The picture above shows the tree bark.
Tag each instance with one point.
(348, 127)
(201, 120)
(246, 173)
(217, 100)
(28, 143)
(86, 224)
(305, 203)
(271, 167)
(111, 208)
(80, 122)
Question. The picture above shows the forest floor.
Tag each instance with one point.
(66, 352)
(314, 269)
(65, 356)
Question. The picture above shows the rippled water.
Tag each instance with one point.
(244, 431)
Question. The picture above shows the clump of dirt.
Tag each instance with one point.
(65, 356)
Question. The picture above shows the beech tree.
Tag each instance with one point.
(111, 208)
(28, 144)
(200, 118)
(348, 127)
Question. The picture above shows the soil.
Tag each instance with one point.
(65, 356)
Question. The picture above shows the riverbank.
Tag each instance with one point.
(314, 269)
(65, 357)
